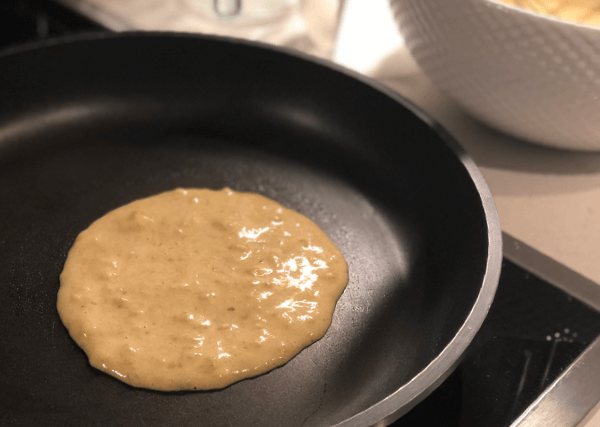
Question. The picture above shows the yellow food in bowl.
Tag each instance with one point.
(580, 11)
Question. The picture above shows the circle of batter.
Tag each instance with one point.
(195, 289)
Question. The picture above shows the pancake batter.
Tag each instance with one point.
(197, 289)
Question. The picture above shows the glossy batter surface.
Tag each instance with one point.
(198, 289)
(582, 11)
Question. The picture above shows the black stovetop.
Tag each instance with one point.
(532, 333)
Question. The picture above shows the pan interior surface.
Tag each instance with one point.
(90, 125)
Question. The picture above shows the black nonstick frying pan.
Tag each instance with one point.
(92, 123)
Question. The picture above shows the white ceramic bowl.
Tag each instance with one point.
(532, 76)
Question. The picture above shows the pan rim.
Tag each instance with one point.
(419, 387)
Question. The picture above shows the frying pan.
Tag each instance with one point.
(88, 124)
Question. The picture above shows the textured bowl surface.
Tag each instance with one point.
(532, 76)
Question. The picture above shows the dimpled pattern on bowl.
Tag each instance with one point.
(534, 77)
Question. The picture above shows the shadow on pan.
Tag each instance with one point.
(89, 124)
